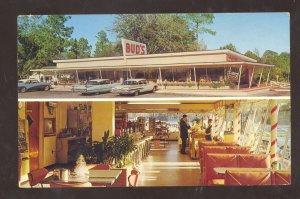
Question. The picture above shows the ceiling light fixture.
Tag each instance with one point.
(142, 103)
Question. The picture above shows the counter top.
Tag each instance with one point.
(143, 140)
(72, 138)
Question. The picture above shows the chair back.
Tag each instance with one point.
(254, 161)
(69, 185)
(238, 150)
(121, 181)
(37, 176)
(217, 160)
(247, 178)
(211, 149)
(282, 177)
(227, 144)
(133, 178)
(202, 144)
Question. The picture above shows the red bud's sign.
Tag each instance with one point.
(133, 47)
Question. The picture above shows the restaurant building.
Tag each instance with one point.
(251, 136)
(197, 67)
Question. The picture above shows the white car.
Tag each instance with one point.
(94, 86)
(134, 87)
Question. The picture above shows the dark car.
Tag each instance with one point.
(32, 85)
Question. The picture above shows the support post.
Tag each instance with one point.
(173, 74)
(195, 76)
(160, 76)
(77, 76)
(260, 77)
(240, 73)
(250, 82)
(268, 78)
(274, 124)
(130, 73)
(100, 74)
(55, 75)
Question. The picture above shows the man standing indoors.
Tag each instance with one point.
(184, 126)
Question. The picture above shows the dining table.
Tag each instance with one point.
(222, 170)
(100, 178)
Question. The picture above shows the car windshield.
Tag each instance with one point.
(92, 83)
(130, 83)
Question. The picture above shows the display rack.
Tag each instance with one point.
(120, 120)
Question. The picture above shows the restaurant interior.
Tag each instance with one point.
(137, 143)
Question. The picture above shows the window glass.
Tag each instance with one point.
(92, 83)
(130, 83)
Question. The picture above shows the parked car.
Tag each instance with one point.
(134, 87)
(32, 84)
(94, 86)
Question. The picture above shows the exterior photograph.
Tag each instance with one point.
(170, 55)
(154, 143)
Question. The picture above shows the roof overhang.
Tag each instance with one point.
(162, 55)
(163, 66)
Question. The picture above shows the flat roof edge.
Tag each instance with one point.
(158, 65)
(161, 55)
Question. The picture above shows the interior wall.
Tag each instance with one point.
(61, 116)
(103, 119)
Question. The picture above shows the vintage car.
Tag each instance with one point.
(134, 87)
(32, 84)
(94, 86)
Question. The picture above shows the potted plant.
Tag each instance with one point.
(117, 148)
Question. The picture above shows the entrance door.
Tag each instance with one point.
(33, 121)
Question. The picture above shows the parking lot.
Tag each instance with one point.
(159, 94)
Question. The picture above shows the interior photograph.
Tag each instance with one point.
(154, 143)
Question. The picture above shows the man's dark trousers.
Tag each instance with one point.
(183, 145)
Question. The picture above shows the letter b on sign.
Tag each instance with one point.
(127, 48)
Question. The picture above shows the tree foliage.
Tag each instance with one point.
(229, 46)
(104, 47)
(161, 33)
(79, 49)
(252, 55)
(281, 71)
(198, 21)
(41, 40)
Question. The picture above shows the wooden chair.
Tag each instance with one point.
(133, 175)
(37, 176)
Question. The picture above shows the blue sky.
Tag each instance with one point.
(247, 31)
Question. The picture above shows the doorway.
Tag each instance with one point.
(33, 129)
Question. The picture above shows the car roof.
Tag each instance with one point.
(98, 80)
(134, 79)
(27, 79)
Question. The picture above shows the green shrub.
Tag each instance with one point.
(117, 148)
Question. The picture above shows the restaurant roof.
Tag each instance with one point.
(198, 59)
(204, 52)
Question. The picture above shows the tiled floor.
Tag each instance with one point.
(165, 166)
(168, 167)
